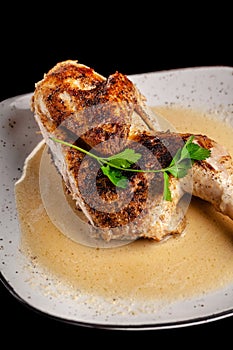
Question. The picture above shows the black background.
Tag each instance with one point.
(141, 40)
(133, 42)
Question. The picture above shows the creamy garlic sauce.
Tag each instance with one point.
(197, 262)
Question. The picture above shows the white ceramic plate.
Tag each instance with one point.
(209, 88)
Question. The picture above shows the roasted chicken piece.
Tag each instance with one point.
(213, 178)
(74, 103)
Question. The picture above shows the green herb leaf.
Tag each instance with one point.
(122, 163)
(124, 159)
(180, 168)
(115, 176)
(193, 151)
(113, 166)
(185, 150)
(198, 153)
(128, 154)
(167, 196)
(183, 161)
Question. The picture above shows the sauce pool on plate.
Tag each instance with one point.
(183, 266)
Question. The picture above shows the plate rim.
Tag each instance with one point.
(137, 327)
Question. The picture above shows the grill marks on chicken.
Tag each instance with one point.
(74, 103)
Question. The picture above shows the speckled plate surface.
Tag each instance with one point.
(209, 88)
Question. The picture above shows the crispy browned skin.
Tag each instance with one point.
(74, 97)
(76, 104)
(142, 186)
